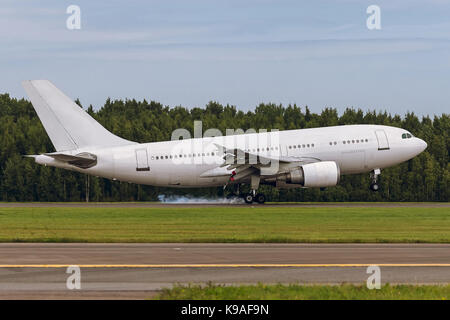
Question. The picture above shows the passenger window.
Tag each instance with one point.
(404, 136)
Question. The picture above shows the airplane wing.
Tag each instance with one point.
(244, 164)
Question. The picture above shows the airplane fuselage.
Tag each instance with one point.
(197, 162)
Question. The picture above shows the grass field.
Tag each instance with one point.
(299, 292)
(226, 224)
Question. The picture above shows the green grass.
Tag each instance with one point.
(306, 292)
(226, 224)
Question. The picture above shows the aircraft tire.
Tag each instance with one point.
(248, 198)
(260, 198)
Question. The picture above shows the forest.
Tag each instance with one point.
(424, 178)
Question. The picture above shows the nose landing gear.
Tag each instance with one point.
(374, 186)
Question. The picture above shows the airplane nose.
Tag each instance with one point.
(422, 145)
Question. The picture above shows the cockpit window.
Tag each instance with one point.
(406, 136)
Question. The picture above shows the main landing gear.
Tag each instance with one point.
(374, 186)
(249, 198)
(252, 197)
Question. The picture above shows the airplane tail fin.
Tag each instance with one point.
(68, 126)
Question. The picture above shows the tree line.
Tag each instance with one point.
(424, 178)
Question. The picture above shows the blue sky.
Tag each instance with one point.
(315, 53)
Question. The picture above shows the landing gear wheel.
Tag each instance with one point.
(374, 175)
(248, 198)
(260, 198)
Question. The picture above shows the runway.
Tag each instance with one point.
(221, 203)
(140, 270)
(220, 254)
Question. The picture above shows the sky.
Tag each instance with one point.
(237, 52)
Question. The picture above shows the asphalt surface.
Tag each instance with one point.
(135, 271)
(198, 203)
(133, 283)
(220, 253)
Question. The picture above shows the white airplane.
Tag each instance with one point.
(302, 158)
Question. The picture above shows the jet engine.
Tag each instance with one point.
(317, 174)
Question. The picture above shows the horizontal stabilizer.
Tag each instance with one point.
(82, 160)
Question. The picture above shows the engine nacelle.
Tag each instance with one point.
(317, 174)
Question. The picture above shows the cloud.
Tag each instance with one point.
(260, 50)
(241, 51)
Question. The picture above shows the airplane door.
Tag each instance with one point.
(142, 160)
(383, 143)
